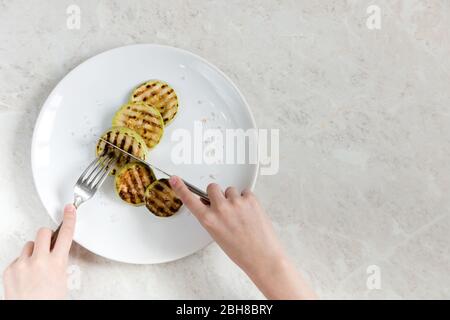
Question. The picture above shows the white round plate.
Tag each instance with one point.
(81, 107)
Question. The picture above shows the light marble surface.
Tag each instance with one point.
(365, 134)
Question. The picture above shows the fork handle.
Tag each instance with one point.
(54, 236)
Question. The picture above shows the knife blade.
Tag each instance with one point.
(202, 194)
(136, 158)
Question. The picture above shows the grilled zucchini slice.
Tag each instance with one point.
(142, 118)
(159, 95)
(131, 182)
(125, 139)
(161, 200)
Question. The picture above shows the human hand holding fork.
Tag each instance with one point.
(88, 184)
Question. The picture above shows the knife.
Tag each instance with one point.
(202, 194)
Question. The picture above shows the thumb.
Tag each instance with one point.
(189, 199)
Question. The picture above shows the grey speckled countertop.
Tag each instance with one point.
(364, 119)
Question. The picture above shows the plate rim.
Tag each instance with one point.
(44, 109)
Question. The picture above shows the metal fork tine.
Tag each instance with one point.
(85, 172)
(105, 174)
(105, 167)
(87, 180)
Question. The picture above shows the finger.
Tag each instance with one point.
(215, 194)
(247, 193)
(42, 242)
(231, 192)
(27, 250)
(65, 236)
(189, 199)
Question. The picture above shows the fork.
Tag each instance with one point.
(88, 184)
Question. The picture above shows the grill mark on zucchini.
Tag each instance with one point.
(149, 126)
(155, 123)
(166, 182)
(161, 200)
(130, 149)
(115, 138)
(135, 190)
(144, 177)
(123, 138)
(163, 205)
(132, 181)
(141, 111)
(138, 184)
(108, 138)
(103, 148)
(160, 196)
(130, 186)
(159, 95)
(144, 119)
(122, 143)
(130, 195)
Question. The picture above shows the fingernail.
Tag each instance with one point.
(173, 181)
(69, 208)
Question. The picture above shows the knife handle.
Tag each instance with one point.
(202, 194)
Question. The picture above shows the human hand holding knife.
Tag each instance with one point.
(202, 194)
